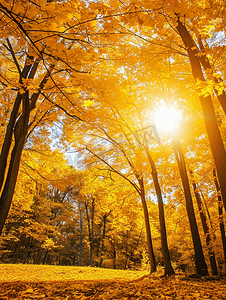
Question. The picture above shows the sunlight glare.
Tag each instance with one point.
(167, 119)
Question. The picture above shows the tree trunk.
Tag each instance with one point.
(27, 246)
(200, 263)
(81, 236)
(220, 213)
(216, 142)
(13, 116)
(20, 133)
(45, 256)
(103, 238)
(90, 224)
(20, 129)
(92, 232)
(147, 225)
(39, 256)
(165, 250)
(17, 251)
(126, 250)
(114, 257)
(205, 227)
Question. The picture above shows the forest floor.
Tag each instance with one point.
(58, 282)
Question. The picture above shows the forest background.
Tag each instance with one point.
(86, 77)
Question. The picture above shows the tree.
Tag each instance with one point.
(126, 161)
(216, 142)
(183, 32)
(165, 250)
(220, 212)
(39, 208)
(40, 73)
(200, 263)
(205, 226)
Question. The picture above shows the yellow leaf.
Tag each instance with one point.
(93, 95)
(93, 23)
(77, 16)
(88, 103)
(195, 294)
(28, 291)
(78, 89)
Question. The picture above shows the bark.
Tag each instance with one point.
(216, 142)
(147, 225)
(13, 116)
(45, 257)
(165, 250)
(20, 134)
(114, 257)
(81, 237)
(200, 263)
(220, 213)
(26, 250)
(126, 250)
(20, 129)
(205, 227)
(92, 231)
(17, 251)
(103, 238)
(39, 256)
(90, 222)
(8, 138)
(34, 252)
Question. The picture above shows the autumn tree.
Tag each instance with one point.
(39, 208)
(205, 226)
(189, 38)
(118, 146)
(201, 266)
(41, 76)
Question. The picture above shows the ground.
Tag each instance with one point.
(55, 282)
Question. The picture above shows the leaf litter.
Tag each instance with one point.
(108, 284)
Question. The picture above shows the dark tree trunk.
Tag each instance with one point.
(114, 258)
(20, 129)
(147, 225)
(45, 257)
(92, 231)
(27, 246)
(205, 227)
(126, 250)
(216, 142)
(220, 213)
(200, 263)
(17, 251)
(13, 116)
(103, 238)
(90, 222)
(165, 250)
(39, 256)
(81, 237)
(20, 133)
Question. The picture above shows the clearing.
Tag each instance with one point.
(59, 282)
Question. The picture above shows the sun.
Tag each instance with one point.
(167, 119)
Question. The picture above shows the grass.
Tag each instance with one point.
(22, 282)
(44, 273)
